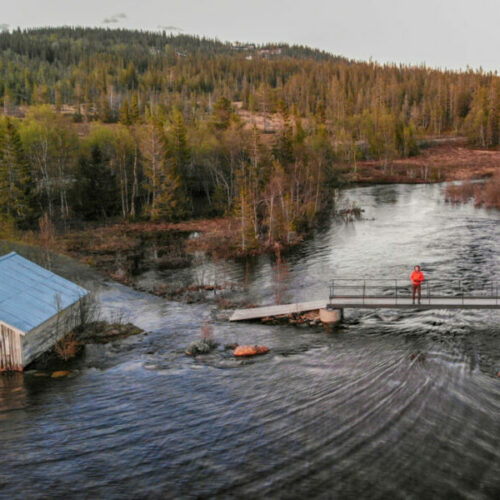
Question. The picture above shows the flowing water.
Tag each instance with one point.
(397, 404)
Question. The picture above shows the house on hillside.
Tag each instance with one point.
(37, 308)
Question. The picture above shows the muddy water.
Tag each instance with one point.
(398, 404)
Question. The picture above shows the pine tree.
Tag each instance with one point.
(283, 146)
(476, 122)
(152, 147)
(105, 111)
(16, 185)
(178, 149)
(133, 109)
(492, 132)
(222, 113)
(96, 190)
(124, 115)
(172, 200)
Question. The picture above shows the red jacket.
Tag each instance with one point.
(417, 277)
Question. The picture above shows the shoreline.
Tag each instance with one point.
(120, 249)
(448, 160)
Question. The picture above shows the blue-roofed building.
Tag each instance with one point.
(37, 308)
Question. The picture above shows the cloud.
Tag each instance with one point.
(4, 27)
(116, 18)
(169, 28)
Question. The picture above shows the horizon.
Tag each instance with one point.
(449, 36)
(259, 44)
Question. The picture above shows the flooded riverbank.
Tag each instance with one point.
(400, 404)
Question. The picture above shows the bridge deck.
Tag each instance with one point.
(407, 303)
(368, 303)
(277, 310)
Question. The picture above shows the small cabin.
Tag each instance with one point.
(37, 309)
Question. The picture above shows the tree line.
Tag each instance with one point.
(161, 168)
(143, 125)
(113, 75)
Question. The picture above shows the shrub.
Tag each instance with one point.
(68, 347)
(487, 194)
(491, 192)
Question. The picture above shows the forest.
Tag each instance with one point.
(99, 124)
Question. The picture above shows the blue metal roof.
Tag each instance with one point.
(30, 295)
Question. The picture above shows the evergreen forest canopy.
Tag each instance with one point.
(149, 125)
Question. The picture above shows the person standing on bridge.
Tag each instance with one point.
(417, 276)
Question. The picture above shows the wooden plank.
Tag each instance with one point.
(3, 357)
(276, 310)
(10, 350)
(18, 354)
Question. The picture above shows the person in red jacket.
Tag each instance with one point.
(417, 276)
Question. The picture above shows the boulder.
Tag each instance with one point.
(250, 350)
(202, 346)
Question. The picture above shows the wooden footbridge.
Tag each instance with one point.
(355, 293)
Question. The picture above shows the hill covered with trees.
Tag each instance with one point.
(105, 123)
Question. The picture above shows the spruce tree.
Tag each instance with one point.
(222, 113)
(96, 190)
(172, 201)
(16, 184)
(124, 115)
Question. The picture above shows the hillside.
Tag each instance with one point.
(85, 65)
(66, 45)
(102, 123)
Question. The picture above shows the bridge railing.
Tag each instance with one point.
(402, 288)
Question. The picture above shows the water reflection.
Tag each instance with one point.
(12, 393)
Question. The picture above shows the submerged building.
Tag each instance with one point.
(37, 309)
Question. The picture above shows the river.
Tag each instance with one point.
(396, 404)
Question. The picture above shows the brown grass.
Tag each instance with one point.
(460, 193)
(489, 194)
(447, 160)
(485, 194)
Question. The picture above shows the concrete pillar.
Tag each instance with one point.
(331, 316)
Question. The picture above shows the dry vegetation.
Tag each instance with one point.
(483, 194)
(447, 160)
(68, 347)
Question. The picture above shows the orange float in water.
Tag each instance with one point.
(250, 350)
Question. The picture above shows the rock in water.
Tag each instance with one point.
(250, 350)
(202, 346)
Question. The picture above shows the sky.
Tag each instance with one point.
(440, 33)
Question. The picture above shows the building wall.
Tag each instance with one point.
(43, 337)
(11, 354)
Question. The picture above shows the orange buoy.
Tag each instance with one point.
(250, 350)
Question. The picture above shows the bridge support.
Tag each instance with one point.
(331, 316)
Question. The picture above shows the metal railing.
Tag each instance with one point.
(398, 288)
